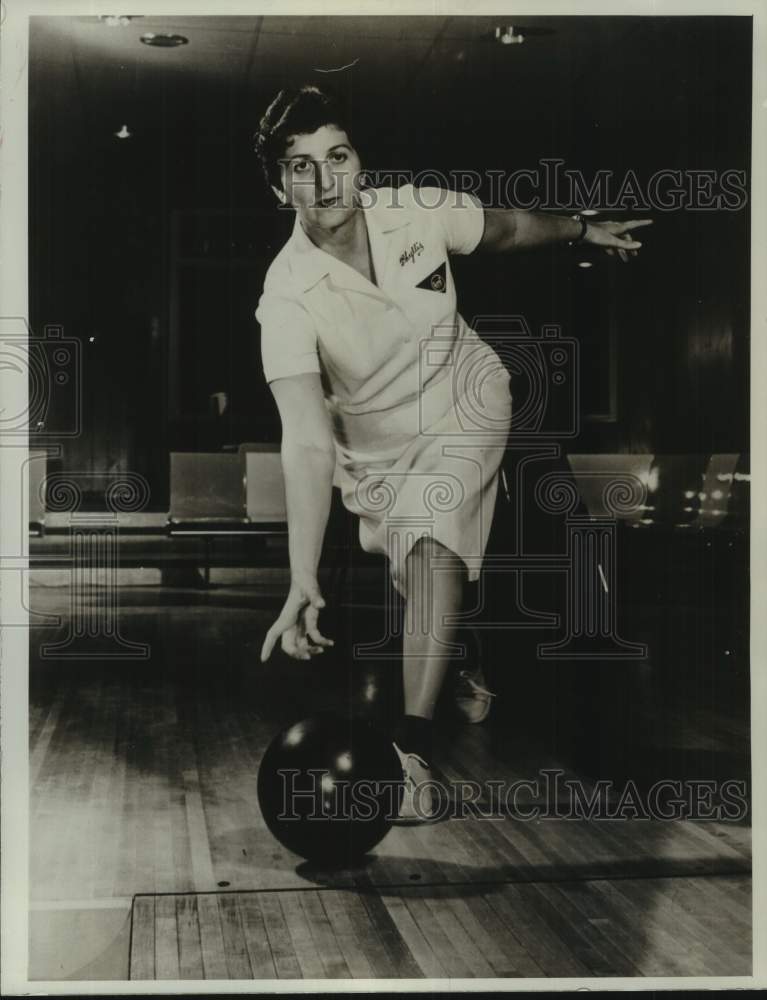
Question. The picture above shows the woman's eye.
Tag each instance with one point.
(338, 157)
(300, 167)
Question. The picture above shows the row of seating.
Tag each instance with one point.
(242, 491)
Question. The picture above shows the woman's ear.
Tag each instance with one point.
(280, 194)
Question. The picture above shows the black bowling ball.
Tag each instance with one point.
(329, 788)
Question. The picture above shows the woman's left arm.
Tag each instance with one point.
(512, 229)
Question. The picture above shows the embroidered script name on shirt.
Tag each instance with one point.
(411, 254)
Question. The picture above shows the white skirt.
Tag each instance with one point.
(429, 467)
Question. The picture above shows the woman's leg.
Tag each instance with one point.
(435, 579)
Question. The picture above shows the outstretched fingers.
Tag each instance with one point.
(635, 224)
(272, 636)
(285, 623)
(625, 243)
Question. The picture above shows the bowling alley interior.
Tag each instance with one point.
(611, 616)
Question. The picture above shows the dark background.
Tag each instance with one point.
(151, 251)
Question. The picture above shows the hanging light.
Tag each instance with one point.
(124, 133)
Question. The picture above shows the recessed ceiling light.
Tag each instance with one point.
(584, 263)
(164, 41)
(507, 36)
(118, 20)
(589, 211)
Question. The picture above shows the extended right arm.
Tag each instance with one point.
(308, 463)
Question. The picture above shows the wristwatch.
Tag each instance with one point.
(584, 226)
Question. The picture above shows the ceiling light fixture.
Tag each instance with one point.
(118, 20)
(506, 36)
(164, 41)
(124, 133)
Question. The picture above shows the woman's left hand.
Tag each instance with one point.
(614, 237)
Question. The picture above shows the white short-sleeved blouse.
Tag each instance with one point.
(420, 405)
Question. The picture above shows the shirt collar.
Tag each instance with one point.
(310, 263)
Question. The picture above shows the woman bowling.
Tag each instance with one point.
(385, 391)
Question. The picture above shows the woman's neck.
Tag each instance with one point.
(347, 241)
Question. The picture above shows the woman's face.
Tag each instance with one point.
(320, 176)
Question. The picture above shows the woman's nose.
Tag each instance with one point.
(326, 177)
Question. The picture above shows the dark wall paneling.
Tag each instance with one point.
(664, 340)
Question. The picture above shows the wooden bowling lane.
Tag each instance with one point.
(143, 788)
(631, 927)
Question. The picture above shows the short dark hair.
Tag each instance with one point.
(298, 111)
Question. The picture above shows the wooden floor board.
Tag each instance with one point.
(301, 935)
(166, 938)
(534, 934)
(142, 943)
(670, 949)
(235, 947)
(278, 936)
(659, 904)
(399, 959)
(723, 897)
(256, 939)
(410, 931)
(372, 942)
(608, 958)
(445, 908)
(333, 962)
(347, 935)
(623, 933)
(587, 947)
(211, 938)
(424, 917)
(189, 945)
(515, 959)
(458, 859)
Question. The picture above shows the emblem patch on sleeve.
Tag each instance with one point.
(436, 281)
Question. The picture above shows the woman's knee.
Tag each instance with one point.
(428, 552)
(428, 546)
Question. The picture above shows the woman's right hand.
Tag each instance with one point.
(297, 623)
